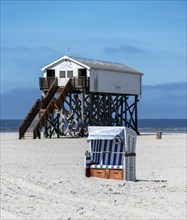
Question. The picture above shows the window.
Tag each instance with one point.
(50, 73)
(82, 72)
(62, 74)
(69, 73)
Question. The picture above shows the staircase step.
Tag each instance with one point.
(41, 113)
(58, 92)
(60, 89)
(28, 135)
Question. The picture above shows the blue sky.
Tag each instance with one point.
(149, 36)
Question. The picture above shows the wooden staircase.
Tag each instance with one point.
(56, 103)
(58, 92)
(30, 121)
(29, 133)
(41, 111)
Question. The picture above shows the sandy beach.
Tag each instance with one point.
(44, 179)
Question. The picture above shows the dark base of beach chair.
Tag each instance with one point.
(107, 173)
(88, 172)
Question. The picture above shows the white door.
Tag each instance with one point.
(62, 78)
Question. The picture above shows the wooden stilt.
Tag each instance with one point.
(82, 109)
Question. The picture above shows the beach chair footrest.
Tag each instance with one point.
(107, 173)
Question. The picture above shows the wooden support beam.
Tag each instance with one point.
(83, 109)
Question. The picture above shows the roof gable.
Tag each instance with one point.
(64, 58)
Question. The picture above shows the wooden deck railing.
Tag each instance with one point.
(46, 82)
(50, 109)
(80, 82)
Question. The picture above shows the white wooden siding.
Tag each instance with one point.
(103, 81)
(65, 66)
(115, 82)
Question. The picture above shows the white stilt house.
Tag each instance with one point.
(80, 92)
(104, 77)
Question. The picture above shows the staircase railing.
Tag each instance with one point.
(62, 97)
(49, 110)
(29, 118)
(43, 119)
(36, 107)
(52, 90)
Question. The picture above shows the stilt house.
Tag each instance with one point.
(78, 92)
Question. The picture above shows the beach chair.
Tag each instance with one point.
(111, 153)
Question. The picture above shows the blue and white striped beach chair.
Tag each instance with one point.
(108, 156)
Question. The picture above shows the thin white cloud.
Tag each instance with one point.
(125, 48)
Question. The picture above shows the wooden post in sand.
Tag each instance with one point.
(159, 135)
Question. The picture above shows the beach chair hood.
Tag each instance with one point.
(105, 133)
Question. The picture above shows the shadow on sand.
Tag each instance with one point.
(153, 181)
